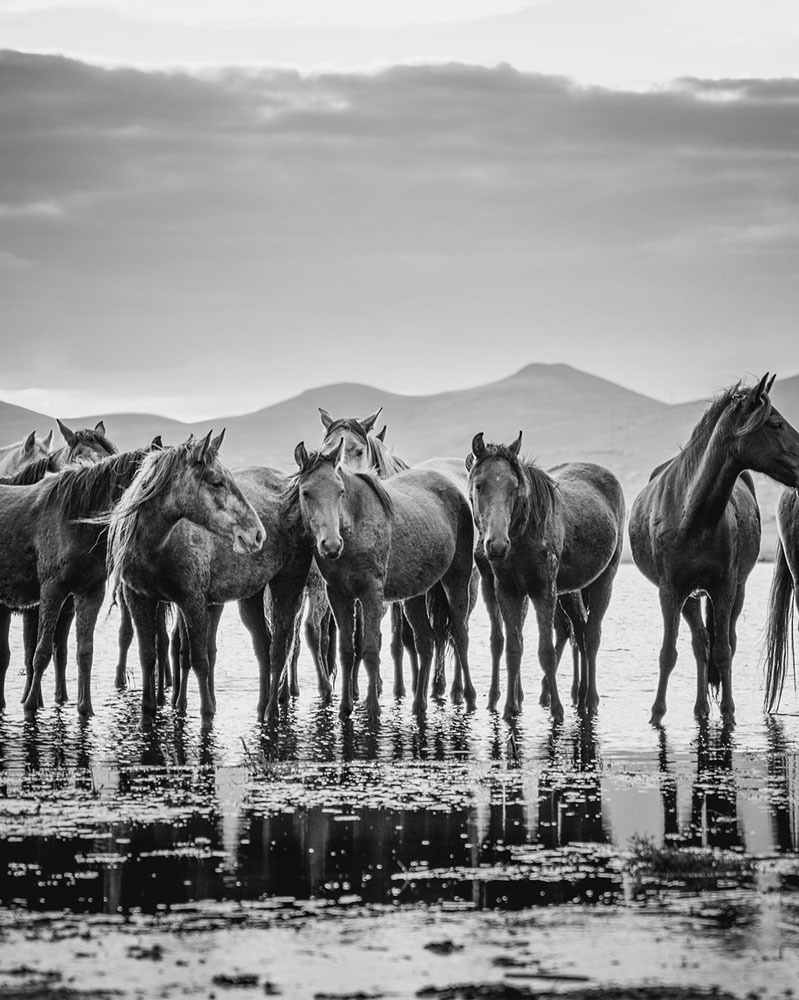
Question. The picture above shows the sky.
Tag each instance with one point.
(208, 207)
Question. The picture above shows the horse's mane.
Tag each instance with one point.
(381, 459)
(34, 472)
(94, 489)
(703, 441)
(291, 496)
(155, 473)
(537, 495)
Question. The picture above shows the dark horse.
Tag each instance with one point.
(784, 595)
(51, 550)
(695, 530)
(386, 540)
(547, 534)
(83, 447)
(191, 564)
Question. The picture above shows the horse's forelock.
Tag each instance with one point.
(347, 424)
(86, 435)
(536, 495)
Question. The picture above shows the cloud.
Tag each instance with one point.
(275, 228)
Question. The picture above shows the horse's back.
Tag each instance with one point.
(453, 468)
(587, 482)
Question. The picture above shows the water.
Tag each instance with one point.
(460, 810)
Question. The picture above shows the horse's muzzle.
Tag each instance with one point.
(249, 542)
(497, 549)
(330, 550)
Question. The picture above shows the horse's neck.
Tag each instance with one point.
(711, 485)
(155, 521)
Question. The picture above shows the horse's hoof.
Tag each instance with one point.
(420, 706)
(456, 696)
(656, 719)
(85, 710)
(399, 690)
(493, 700)
(344, 711)
(511, 712)
(557, 714)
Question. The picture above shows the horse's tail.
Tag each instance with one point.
(779, 630)
(438, 613)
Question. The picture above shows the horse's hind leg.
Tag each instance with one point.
(251, 612)
(143, 611)
(124, 640)
(5, 651)
(416, 612)
(725, 605)
(457, 589)
(60, 651)
(397, 648)
(30, 638)
(700, 643)
(162, 650)
(52, 597)
(670, 610)
(87, 607)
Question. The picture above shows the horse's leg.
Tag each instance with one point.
(344, 611)
(438, 608)
(700, 644)
(30, 637)
(544, 604)
(180, 692)
(253, 617)
(597, 601)
(563, 633)
(496, 634)
(457, 590)
(670, 606)
(357, 651)
(409, 642)
(143, 613)
(60, 650)
(513, 607)
(214, 617)
(723, 605)
(286, 590)
(371, 602)
(397, 649)
(52, 598)
(416, 612)
(5, 651)
(124, 640)
(317, 639)
(196, 621)
(87, 607)
(162, 650)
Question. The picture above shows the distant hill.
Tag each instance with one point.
(565, 414)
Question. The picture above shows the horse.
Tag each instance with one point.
(695, 531)
(15, 457)
(82, 447)
(547, 534)
(386, 540)
(51, 550)
(783, 595)
(190, 563)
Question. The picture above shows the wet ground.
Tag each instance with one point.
(390, 859)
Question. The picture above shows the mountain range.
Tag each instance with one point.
(565, 414)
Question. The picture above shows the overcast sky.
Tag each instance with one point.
(208, 207)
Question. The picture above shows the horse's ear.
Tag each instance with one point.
(301, 455)
(469, 462)
(100, 427)
(337, 456)
(761, 389)
(478, 445)
(327, 420)
(47, 440)
(157, 444)
(381, 434)
(770, 384)
(368, 422)
(216, 444)
(30, 442)
(515, 448)
(202, 450)
(68, 435)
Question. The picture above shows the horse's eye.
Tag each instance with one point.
(359, 453)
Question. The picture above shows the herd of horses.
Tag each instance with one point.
(355, 530)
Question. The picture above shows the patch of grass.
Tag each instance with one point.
(694, 868)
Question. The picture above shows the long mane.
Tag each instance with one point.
(86, 492)
(536, 496)
(34, 472)
(291, 496)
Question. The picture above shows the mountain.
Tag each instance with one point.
(565, 414)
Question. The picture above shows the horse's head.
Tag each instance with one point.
(206, 494)
(87, 445)
(17, 457)
(321, 494)
(354, 432)
(495, 482)
(762, 438)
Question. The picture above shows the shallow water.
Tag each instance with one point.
(461, 809)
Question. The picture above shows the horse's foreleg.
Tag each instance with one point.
(496, 634)
(416, 612)
(512, 606)
(52, 598)
(180, 693)
(87, 607)
(162, 650)
(545, 616)
(142, 612)
(60, 650)
(286, 604)
(458, 597)
(670, 610)
(196, 620)
(723, 605)
(30, 637)
(124, 640)
(214, 618)
(700, 644)
(5, 651)
(344, 611)
(371, 615)
(397, 648)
